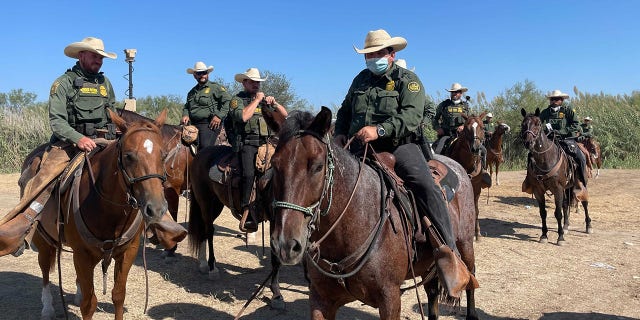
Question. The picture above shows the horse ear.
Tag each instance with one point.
(117, 120)
(322, 122)
(465, 116)
(162, 117)
(274, 119)
(523, 112)
(484, 113)
(537, 112)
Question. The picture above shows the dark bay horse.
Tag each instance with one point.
(494, 148)
(550, 169)
(465, 150)
(121, 189)
(328, 212)
(209, 198)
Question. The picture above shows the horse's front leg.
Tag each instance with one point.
(497, 179)
(84, 263)
(322, 308)
(543, 215)
(558, 213)
(120, 273)
(277, 301)
(433, 291)
(46, 259)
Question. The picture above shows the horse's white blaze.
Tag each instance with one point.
(47, 303)
(475, 126)
(148, 145)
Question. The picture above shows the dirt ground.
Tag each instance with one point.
(594, 276)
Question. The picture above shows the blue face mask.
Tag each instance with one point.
(378, 65)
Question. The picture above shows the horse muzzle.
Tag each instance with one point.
(289, 252)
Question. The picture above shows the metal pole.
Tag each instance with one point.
(130, 79)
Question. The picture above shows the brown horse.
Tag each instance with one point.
(121, 189)
(595, 156)
(209, 198)
(465, 149)
(550, 169)
(494, 148)
(329, 210)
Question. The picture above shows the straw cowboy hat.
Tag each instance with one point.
(380, 39)
(199, 67)
(402, 63)
(557, 94)
(92, 44)
(251, 74)
(457, 87)
(489, 115)
(587, 119)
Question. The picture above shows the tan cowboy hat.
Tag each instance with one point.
(199, 67)
(251, 73)
(489, 115)
(457, 87)
(403, 63)
(557, 94)
(88, 44)
(380, 39)
(587, 119)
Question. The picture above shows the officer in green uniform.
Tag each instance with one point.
(587, 128)
(489, 127)
(561, 123)
(207, 105)
(78, 102)
(384, 107)
(248, 131)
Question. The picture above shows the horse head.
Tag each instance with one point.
(501, 129)
(473, 131)
(140, 162)
(302, 182)
(531, 129)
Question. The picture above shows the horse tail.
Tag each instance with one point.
(197, 226)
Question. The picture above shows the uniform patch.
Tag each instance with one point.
(54, 88)
(233, 104)
(89, 90)
(206, 91)
(561, 115)
(413, 86)
(390, 85)
(103, 91)
(223, 88)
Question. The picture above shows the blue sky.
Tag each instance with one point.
(487, 46)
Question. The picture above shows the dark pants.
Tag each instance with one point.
(412, 167)
(206, 137)
(572, 149)
(248, 160)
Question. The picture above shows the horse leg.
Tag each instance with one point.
(497, 179)
(390, 304)
(120, 273)
(543, 216)
(46, 259)
(84, 264)
(214, 272)
(587, 219)
(322, 308)
(277, 301)
(173, 200)
(562, 207)
(433, 291)
(467, 255)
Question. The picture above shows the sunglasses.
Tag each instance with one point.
(556, 99)
(200, 73)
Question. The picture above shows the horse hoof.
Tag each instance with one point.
(566, 231)
(277, 303)
(561, 242)
(214, 274)
(589, 230)
(203, 268)
(543, 240)
(251, 238)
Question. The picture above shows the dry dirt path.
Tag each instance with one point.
(594, 276)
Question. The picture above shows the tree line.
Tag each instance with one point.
(24, 122)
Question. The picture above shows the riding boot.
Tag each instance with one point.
(248, 222)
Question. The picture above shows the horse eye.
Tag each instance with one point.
(130, 157)
(316, 166)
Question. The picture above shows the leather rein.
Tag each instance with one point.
(540, 173)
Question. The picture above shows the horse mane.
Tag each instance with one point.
(296, 120)
(132, 116)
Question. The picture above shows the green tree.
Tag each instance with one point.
(150, 107)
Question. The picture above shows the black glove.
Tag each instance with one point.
(579, 138)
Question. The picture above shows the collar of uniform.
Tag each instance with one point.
(83, 73)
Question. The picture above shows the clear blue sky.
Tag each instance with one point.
(486, 45)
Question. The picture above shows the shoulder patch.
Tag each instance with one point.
(54, 88)
(233, 104)
(223, 88)
(413, 86)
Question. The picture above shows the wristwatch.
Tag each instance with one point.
(381, 131)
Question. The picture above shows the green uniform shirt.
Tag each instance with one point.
(449, 115)
(255, 126)
(489, 127)
(565, 121)
(587, 130)
(395, 100)
(206, 101)
(79, 98)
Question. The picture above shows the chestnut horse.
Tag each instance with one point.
(329, 210)
(465, 149)
(549, 168)
(209, 198)
(119, 190)
(494, 148)
(595, 156)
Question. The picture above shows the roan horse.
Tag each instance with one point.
(550, 169)
(119, 190)
(209, 198)
(465, 150)
(494, 149)
(352, 248)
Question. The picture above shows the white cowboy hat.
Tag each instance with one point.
(199, 67)
(587, 119)
(489, 115)
(88, 44)
(457, 87)
(380, 39)
(251, 73)
(403, 64)
(557, 94)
